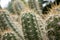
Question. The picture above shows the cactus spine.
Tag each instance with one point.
(29, 24)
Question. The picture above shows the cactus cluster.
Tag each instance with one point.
(53, 27)
(30, 25)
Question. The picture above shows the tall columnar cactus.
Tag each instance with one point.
(53, 27)
(9, 36)
(30, 27)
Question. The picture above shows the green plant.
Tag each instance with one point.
(30, 27)
(53, 27)
(36, 5)
(9, 36)
(18, 6)
(10, 7)
(6, 22)
(32, 4)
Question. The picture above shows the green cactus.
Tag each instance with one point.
(53, 27)
(17, 6)
(3, 23)
(6, 22)
(12, 25)
(9, 36)
(36, 5)
(40, 3)
(29, 25)
(32, 4)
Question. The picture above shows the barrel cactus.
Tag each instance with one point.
(9, 36)
(30, 27)
(53, 27)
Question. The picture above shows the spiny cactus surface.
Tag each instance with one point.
(3, 23)
(53, 27)
(18, 6)
(29, 24)
(6, 22)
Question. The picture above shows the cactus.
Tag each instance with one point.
(36, 5)
(3, 23)
(7, 23)
(9, 36)
(29, 25)
(12, 25)
(53, 27)
(31, 3)
(15, 6)
(10, 7)
(40, 3)
(18, 6)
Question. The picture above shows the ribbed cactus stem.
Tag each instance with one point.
(30, 25)
(3, 23)
(32, 4)
(18, 6)
(40, 3)
(39, 6)
(36, 5)
(10, 23)
(12, 26)
(53, 27)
